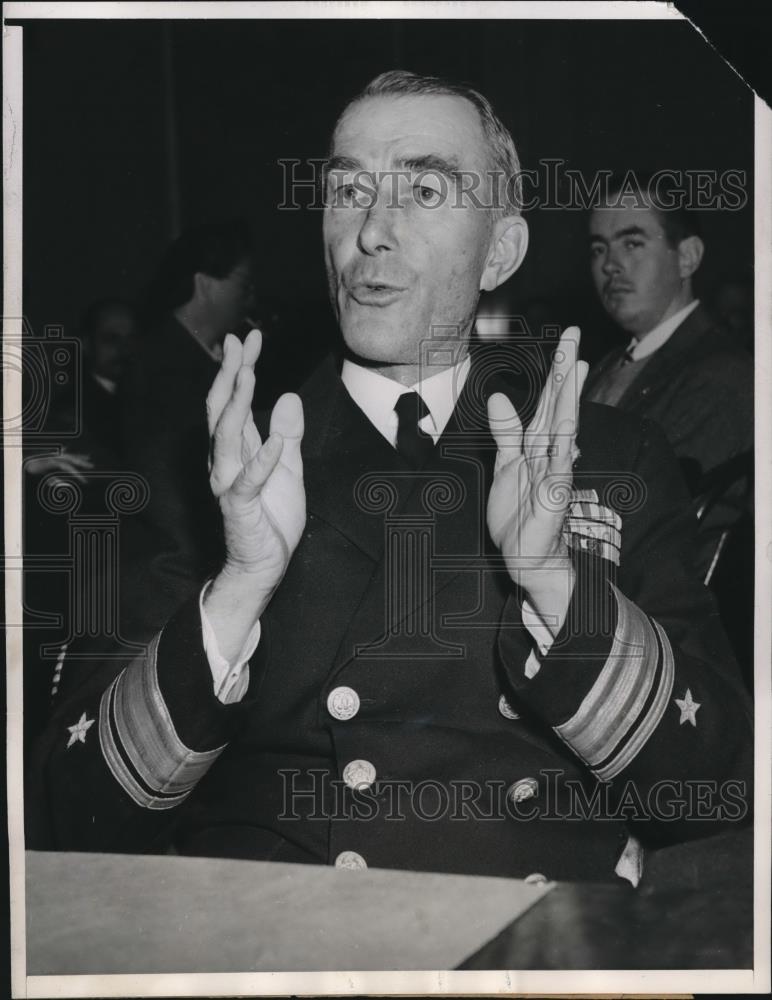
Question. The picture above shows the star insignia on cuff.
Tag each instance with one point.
(79, 730)
(688, 708)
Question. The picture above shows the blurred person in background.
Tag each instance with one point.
(203, 290)
(110, 340)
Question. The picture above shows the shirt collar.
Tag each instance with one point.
(661, 333)
(375, 395)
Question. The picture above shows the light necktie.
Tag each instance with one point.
(412, 443)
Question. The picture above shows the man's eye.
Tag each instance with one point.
(632, 244)
(345, 194)
(342, 193)
(596, 251)
(426, 196)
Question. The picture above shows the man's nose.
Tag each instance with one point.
(611, 263)
(377, 232)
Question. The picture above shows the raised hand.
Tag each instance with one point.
(532, 482)
(259, 485)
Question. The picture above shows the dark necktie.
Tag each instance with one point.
(412, 443)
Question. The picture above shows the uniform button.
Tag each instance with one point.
(350, 860)
(536, 878)
(524, 789)
(506, 709)
(359, 774)
(343, 703)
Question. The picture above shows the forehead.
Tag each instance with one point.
(400, 126)
(611, 220)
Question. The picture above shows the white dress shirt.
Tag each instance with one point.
(662, 332)
(376, 395)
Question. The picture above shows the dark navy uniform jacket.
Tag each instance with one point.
(390, 720)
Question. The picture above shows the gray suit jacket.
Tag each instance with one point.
(699, 388)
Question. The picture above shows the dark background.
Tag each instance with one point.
(134, 128)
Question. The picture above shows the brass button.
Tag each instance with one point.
(343, 703)
(524, 789)
(359, 774)
(350, 860)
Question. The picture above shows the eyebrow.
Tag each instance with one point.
(619, 234)
(342, 163)
(449, 168)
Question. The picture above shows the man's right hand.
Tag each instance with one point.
(261, 493)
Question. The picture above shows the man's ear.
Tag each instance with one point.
(690, 253)
(509, 242)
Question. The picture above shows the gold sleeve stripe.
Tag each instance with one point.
(625, 704)
(651, 718)
(139, 741)
(118, 767)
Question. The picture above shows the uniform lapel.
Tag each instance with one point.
(342, 455)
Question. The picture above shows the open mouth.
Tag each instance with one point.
(375, 293)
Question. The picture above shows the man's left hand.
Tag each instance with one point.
(532, 483)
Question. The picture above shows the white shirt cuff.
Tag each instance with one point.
(230, 680)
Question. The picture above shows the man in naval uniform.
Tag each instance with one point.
(437, 641)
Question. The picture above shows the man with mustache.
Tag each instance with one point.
(679, 368)
(437, 642)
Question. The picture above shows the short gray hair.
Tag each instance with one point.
(502, 154)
